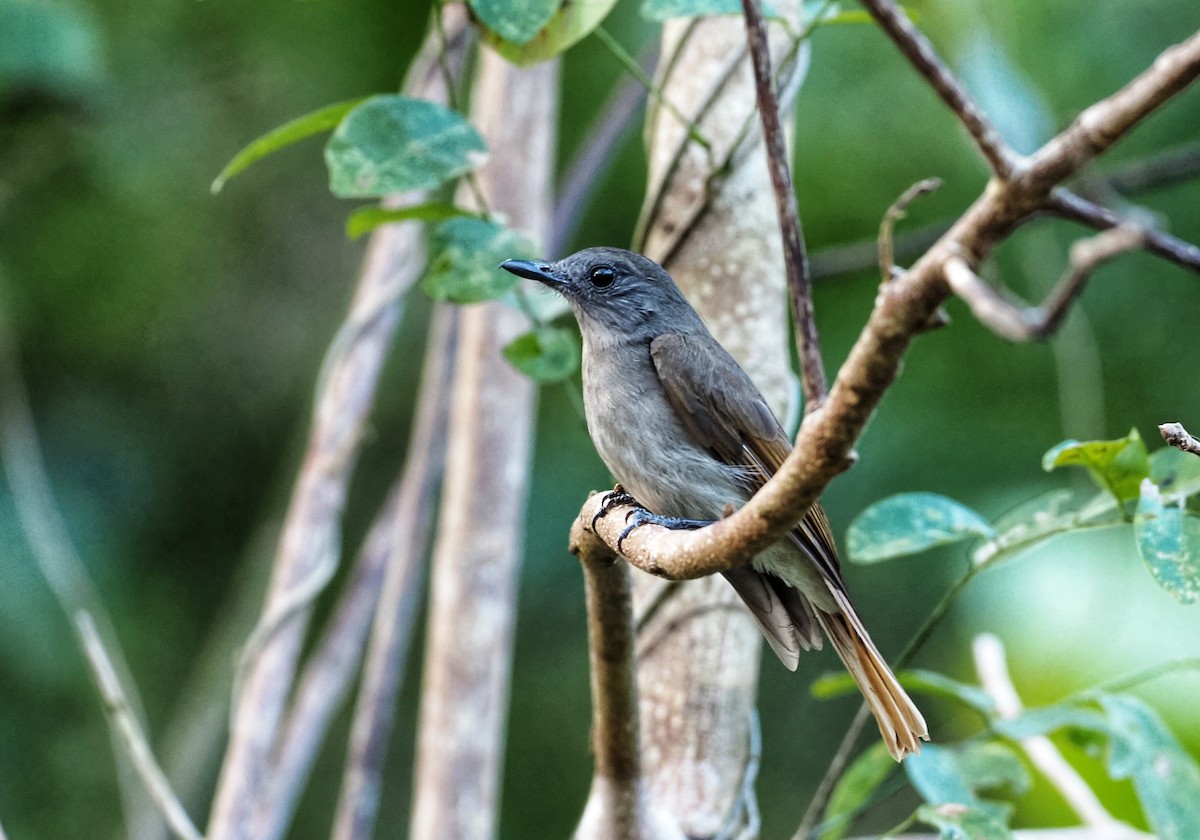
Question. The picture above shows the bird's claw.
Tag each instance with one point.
(641, 516)
(614, 498)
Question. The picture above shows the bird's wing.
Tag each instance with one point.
(727, 416)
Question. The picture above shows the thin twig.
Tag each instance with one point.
(808, 342)
(993, 676)
(920, 53)
(130, 735)
(887, 261)
(401, 533)
(1065, 203)
(1019, 322)
(1175, 435)
(1156, 171)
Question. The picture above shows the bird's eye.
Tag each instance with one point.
(602, 276)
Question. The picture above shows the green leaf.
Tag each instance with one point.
(660, 10)
(515, 20)
(465, 255)
(1175, 471)
(571, 24)
(1169, 541)
(1118, 466)
(53, 48)
(322, 119)
(956, 774)
(961, 822)
(914, 679)
(393, 144)
(366, 219)
(1165, 776)
(855, 789)
(1049, 719)
(547, 354)
(909, 524)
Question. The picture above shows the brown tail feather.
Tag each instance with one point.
(900, 722)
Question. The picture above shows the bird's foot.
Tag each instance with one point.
(614, 498)
(641, 516)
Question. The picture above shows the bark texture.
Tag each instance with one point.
(468, 656)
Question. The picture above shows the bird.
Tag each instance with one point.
(686, 433)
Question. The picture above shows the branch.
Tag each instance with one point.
(129, 732)
(1067, 204)
(920, 53)
(399, 538)
(1019, 322)
(1175, 435)
(1160, 170)
(887, 260)
(808, 342)
(993, 676)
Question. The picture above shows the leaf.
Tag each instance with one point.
(1118, 466)
(52, 48)
(1169, 541)
(1049, 719)
(914, 679)
(855, 789)
(659, 10)
(465, 255)
(1165, 776)
(573, 22)
(366, 219)
(1175, 471)
(515, 20)
(956, 774)
(960, 822)
(910, 523)
(393, 144)
(322, 119)
(547, 354)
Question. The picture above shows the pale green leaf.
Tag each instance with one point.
(573, 22)
(51, 47)
(919, 680)
(1169, 541)
(320, 120)
(366, 219)
(517, 21)
(910, 523)
(547, 354)
(961, 822)
(393, 144)
(1165, 776)
(660, 10)
(956, 774)
(1175, 472)
(855, 788)
(465, 255)
(1118, 466)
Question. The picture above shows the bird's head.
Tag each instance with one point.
(614, 293)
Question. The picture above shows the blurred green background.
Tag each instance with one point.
(170, 341)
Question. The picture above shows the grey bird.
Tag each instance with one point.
(686, 433)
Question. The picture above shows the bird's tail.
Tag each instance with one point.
(900, 722)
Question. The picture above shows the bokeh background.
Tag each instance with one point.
(170, 341)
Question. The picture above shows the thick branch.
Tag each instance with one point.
(812, 368)
(917, 49)
(1175, 435)
(1019, 322)
(901, 310)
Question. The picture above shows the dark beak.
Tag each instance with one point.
(538, 270)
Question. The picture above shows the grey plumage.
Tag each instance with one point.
(685, 431)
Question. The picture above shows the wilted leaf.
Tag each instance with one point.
(573, 22)
(1164, 775)
(855, 788)
(547, 354)
(909, 524)
(322, 119)
(392, 144)
(1168, 539)
(961, 822)
(465, 255)
(515, 20)
(1118, 466)
(366, 219)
